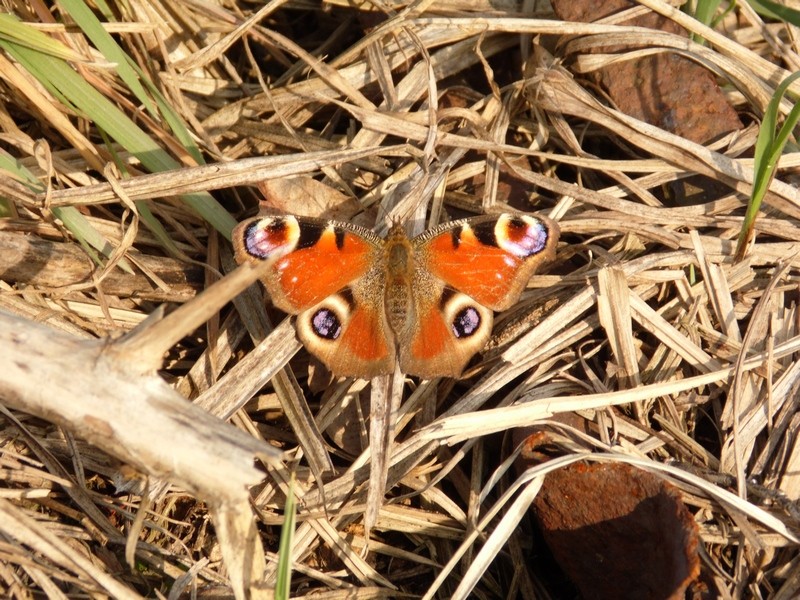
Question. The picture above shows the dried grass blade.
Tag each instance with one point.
(671, 337)
(613, 305)
(240, 544)
(385, 397)
(494, 544)
(466, 426)
(251, 373)
(295, 407)
(18, 525)
(718, 291)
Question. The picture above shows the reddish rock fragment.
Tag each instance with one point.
(618, 532)
(666, 90)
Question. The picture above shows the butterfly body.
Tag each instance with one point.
(363, 302)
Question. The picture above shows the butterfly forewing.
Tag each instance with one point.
(311, 258)
(488, 258)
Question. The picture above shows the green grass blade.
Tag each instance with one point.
(284, 574)
(776, 11)
(705, 10)
(64, 83)
(130, 73)
(769, 146)
(74, 220)
(15, 31)
(91, 26)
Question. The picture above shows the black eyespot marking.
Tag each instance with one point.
(522, 237)
(276, 227)
(309, 235)
(527, 239)
(467, 322)
(518, 226)
(485, 234)
(326, 324)
(531, 237)
(447, 293)
(455, 236)
(346, 294)
(338, 233)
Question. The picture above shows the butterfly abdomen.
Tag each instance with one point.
(399, 257)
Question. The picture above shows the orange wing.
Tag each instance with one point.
(488, 258)
(311, 258)
(332, 276)
(450, 327)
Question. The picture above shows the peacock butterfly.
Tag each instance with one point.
(363, 302)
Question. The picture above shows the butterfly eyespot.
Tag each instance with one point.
(326, 324)
(466, 322)
(270, 237)
(521, 236)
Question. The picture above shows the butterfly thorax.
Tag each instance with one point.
(399, 261)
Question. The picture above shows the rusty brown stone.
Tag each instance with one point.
(618, 532)
(665, 90)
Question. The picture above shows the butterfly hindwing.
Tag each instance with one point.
(348, 330)
(448, 329)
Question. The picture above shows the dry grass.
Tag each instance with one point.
(645, 324)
